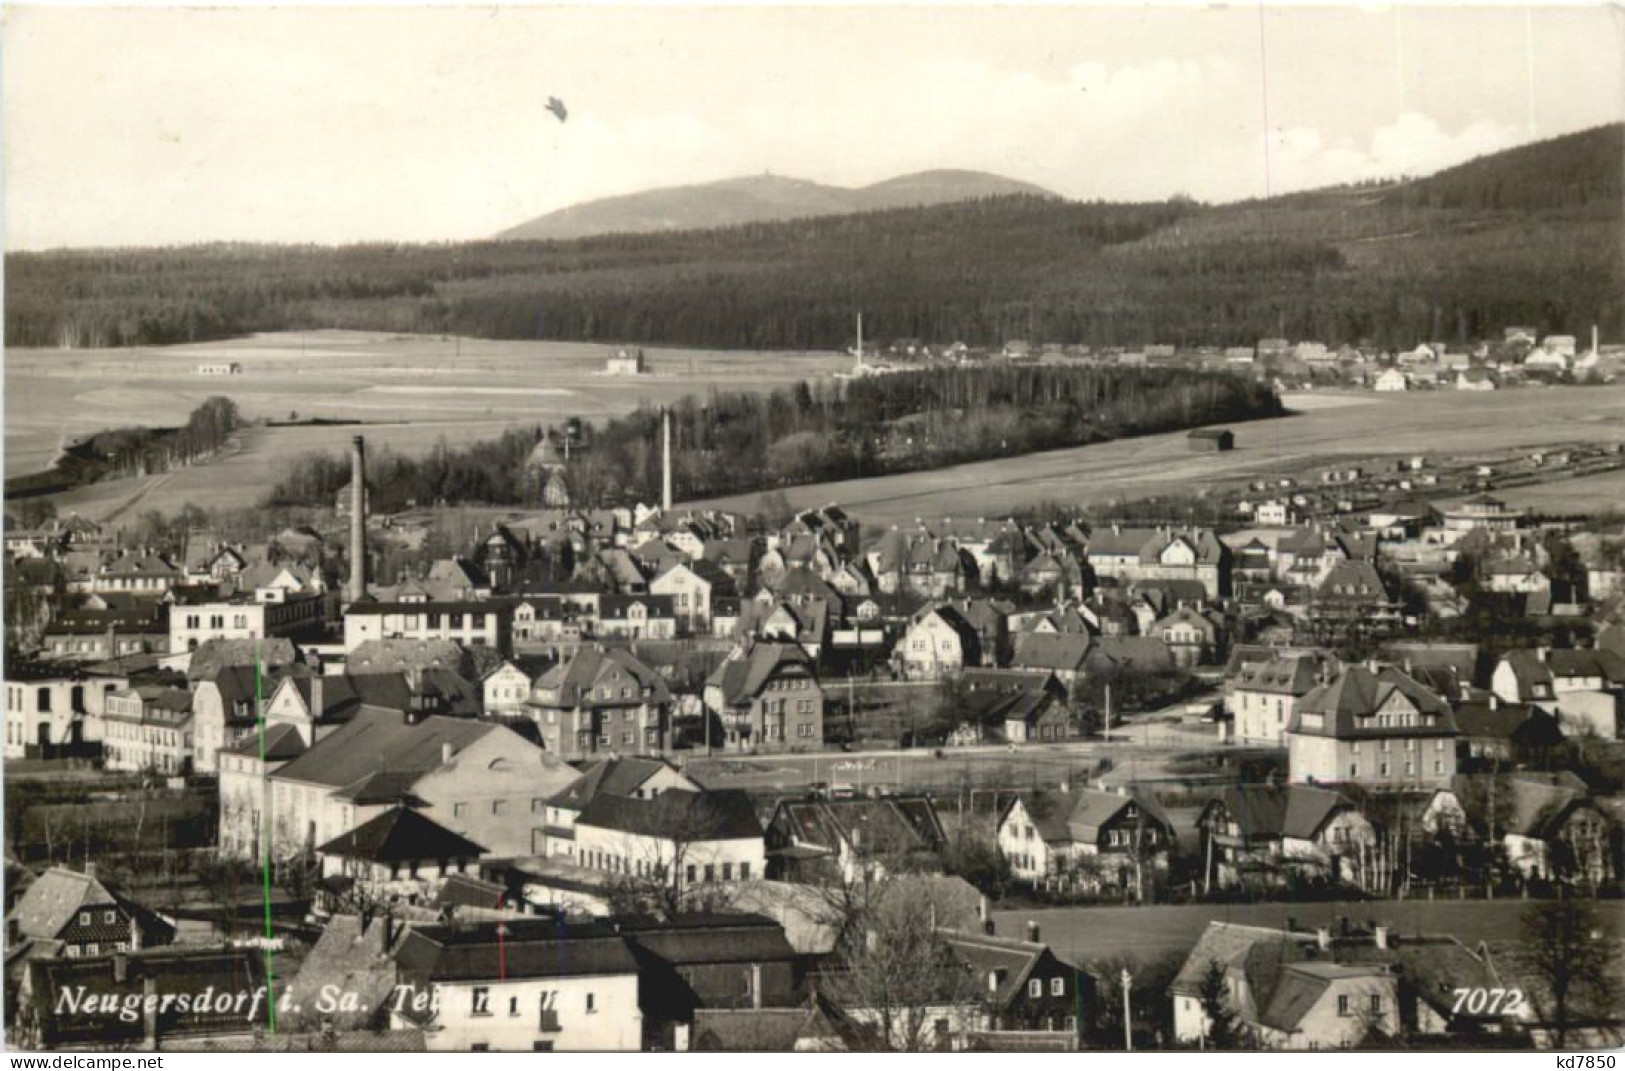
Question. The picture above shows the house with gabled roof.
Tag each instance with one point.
(1334, 986)
(1085, 838)
(766, 696)
(692, 585)
(1268, 835)
(1031, 992)
(1262, 696)
(1550, 827)
(630, 777)
(1494, 732)
(865, 838)
(1065, 655)
(602, 701)
(71, 914)
(519, 986)
(1372, 724)
(937, 644)
(1195, 637)
(1130, 554)
(399, 854)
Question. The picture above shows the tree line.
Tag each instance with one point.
(136, 451)
(733, 443)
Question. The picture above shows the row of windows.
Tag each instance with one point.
(1382, 769)
(1410, 745)
(480, 1004)
(94, 949)
(217, 621)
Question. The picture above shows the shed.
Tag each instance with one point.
(1212, 439)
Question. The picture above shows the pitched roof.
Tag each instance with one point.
(986, 953)
(1272, 811)
(1346, 705)
(742, 679)
(382, 741)
(1523, 723)
(517, 948)
(611, 777)
(214, 656)
(465, 890)
(399, 835)
(395, 655)
(53, 899)
(1064, 653)
(575, 679)
(1224, 943)
(895, 823)
(722, 815)
(1295, 674)
(1078, 816)
(703, 938)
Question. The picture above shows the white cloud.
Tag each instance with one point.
(1414, 144)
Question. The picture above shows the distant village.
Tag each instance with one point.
(1520, 357)
(689, 777)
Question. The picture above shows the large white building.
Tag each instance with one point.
(523, 986)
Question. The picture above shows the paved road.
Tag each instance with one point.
(1084, 933)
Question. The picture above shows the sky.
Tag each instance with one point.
(154, 126)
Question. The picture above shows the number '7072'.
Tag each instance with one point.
(1481, 1001)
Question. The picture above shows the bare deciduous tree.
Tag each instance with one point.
(1571, 961)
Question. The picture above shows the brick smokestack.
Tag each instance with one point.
(358, 518)
(665, 466)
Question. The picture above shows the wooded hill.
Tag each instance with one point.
(1527, 237)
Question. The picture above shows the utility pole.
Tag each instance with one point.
(1128, 1011)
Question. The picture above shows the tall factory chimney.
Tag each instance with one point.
(358, 519)
(860, 340)
(665, 466)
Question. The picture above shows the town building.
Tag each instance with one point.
(766, 697)
(1376, 726)
(853, 840)
(519, 986)
(472, 623)
(1086, 839)
(601, 701)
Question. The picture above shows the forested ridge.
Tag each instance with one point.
(1528, 236)
(731, 443)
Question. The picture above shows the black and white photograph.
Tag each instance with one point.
(835, 528)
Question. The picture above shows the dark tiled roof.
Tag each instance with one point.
(691, 816)
(613, 777)
(1273, 811)
(401, 835)
(689, 940)
(522, 949)
(1063, 653)
(742, 679)
(1348, 703)
(897, 823)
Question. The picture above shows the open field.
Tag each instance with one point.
(1084, 933)
(418, 389)
(1324, 428)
